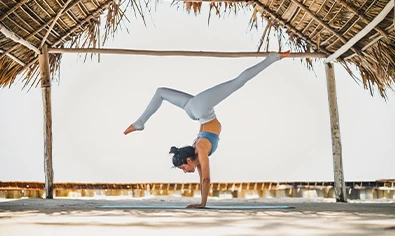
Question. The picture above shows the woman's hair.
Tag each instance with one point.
(180, 155)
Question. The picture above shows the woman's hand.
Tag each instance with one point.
(196, 206)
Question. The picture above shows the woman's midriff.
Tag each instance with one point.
(213, 126)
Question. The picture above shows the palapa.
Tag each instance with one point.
(310, 26)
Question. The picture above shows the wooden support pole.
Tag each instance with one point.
(340, 187)
(46, 93)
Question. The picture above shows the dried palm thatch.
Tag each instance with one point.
(310, 26)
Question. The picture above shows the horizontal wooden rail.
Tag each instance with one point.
(355, 190)
(177, 53)
(224, 186)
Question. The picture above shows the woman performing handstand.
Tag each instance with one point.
(201, 108)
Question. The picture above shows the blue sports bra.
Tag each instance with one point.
(213, 138)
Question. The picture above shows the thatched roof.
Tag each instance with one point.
(312, 26)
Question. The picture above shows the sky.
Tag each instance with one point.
(276, 128)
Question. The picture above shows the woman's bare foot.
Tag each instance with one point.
(130, 129)
(285, 54)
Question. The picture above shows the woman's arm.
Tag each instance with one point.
(205, 178)
(204, 173)
(200, 178)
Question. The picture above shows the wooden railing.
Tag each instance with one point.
(372, 189)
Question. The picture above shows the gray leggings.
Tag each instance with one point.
(204, 102)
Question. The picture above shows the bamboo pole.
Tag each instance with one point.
(46, 93)
(178, 53)
(340, 187)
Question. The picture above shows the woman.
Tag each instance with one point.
(201, 108)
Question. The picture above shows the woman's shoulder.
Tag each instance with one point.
(202, 144)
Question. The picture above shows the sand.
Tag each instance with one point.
(65, 216)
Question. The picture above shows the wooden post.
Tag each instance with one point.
(340, 187)
(46, 93)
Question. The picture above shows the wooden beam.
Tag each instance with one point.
(342, 2)
(304, 8)
(312, 20)
(46, 93)
(13, 58)
(272, 15)
(21, 23)
(13, 9)
(177, 53)
(363, 17)
(328, 27)
(91, 16)
(54, 22)
(227, 1)
(15, 38)
(362, 33)
(288, 26)
(40, 28)
(340, 187)
(72, 30)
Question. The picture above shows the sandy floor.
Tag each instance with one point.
(82, 217)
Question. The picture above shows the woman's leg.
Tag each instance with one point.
(175, 97)
(207, 99)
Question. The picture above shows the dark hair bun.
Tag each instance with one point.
(174, 150)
